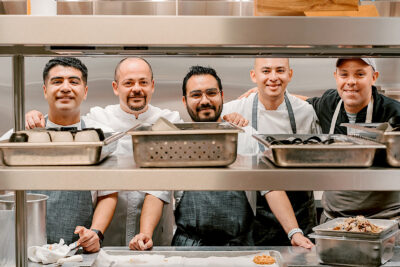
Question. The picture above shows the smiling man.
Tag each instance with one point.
(356, 100)
(73, 215)
(213, 218)
(272, 110)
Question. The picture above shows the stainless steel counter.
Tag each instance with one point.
(293, 256)
(247, 173)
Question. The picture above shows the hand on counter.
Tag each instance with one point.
(88, 239)
(141, 242)
(300, 240)
(34, 119)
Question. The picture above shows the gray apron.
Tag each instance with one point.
(65, 211)
(267, 230)
(213, 218)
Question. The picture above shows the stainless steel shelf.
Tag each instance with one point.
(247, 173)
(199, 36)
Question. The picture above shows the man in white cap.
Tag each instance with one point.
(356, 100)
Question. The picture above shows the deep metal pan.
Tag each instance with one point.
(327, 229)
(390, 139)
(57, 153)
(347, 151)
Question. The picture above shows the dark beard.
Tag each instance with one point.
(139, 108)
(195, 117)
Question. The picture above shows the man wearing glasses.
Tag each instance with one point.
(211, 218)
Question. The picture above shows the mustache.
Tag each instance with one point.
(205, 106)
(136, 94)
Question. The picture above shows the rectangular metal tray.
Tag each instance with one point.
(194, 145)
(57, 153)
(201, 254)
(390, 139)
(353, 251)
(326, 229)
(360, 153)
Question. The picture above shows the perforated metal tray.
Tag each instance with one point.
(390, 139)
(356, 153)
(194, 145)
(57, 153)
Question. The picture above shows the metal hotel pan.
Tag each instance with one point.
(57, 153)
(390, 139)
(201, 254)
(353, 152)
(194, 145)
(327, 229)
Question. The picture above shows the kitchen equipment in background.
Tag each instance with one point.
(391, 139)
(193, 145)
(36, 216)
(334, 150)
(351, 248)
(41, 7)
(58, 153)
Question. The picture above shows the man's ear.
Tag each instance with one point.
(184, 101)
(44, 91)
(152, 86)
(375, 77)
(253, 76)
(115, 87)
(86, 90)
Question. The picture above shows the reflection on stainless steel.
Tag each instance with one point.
(56, 153)
(194, 145)
(36, 215)
(355, 251)
(346, 151)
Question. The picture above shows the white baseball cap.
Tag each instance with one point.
(369, 61)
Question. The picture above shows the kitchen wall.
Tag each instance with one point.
(311, 77)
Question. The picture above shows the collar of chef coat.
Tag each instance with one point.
(51, 124)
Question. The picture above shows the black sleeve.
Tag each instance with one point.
(315, 102)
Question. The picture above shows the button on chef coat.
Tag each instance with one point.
(130, 202)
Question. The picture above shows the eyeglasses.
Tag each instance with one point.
(210, 93)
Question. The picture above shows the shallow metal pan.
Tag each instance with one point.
(359, 153)
(326, 229)
(390, 139)
(199, 254)
(194, 145)
(57, 153)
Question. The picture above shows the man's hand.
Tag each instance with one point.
(88, 239)
(34, 119)
(249, 92)
(236, 119)
(300, 240)
(141, 242)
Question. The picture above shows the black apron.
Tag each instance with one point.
(267, 230)
(213, 218)
(66, 210)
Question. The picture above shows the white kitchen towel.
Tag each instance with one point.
(48, 253)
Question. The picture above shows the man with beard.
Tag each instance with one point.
(211, 218)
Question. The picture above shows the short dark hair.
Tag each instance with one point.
(66, 62)
(122, 60)
(200, 70)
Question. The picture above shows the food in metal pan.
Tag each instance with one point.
(309, 141)
(264, 259)
(69, 134)
(358, 224)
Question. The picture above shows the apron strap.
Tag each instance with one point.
(254, 113)
(368, 119)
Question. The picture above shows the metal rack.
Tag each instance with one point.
(188, 36)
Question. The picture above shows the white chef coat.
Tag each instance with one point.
(130, 203)
(272, 121)
(89, 124)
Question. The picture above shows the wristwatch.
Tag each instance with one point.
(99, 234)
(294, 231)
